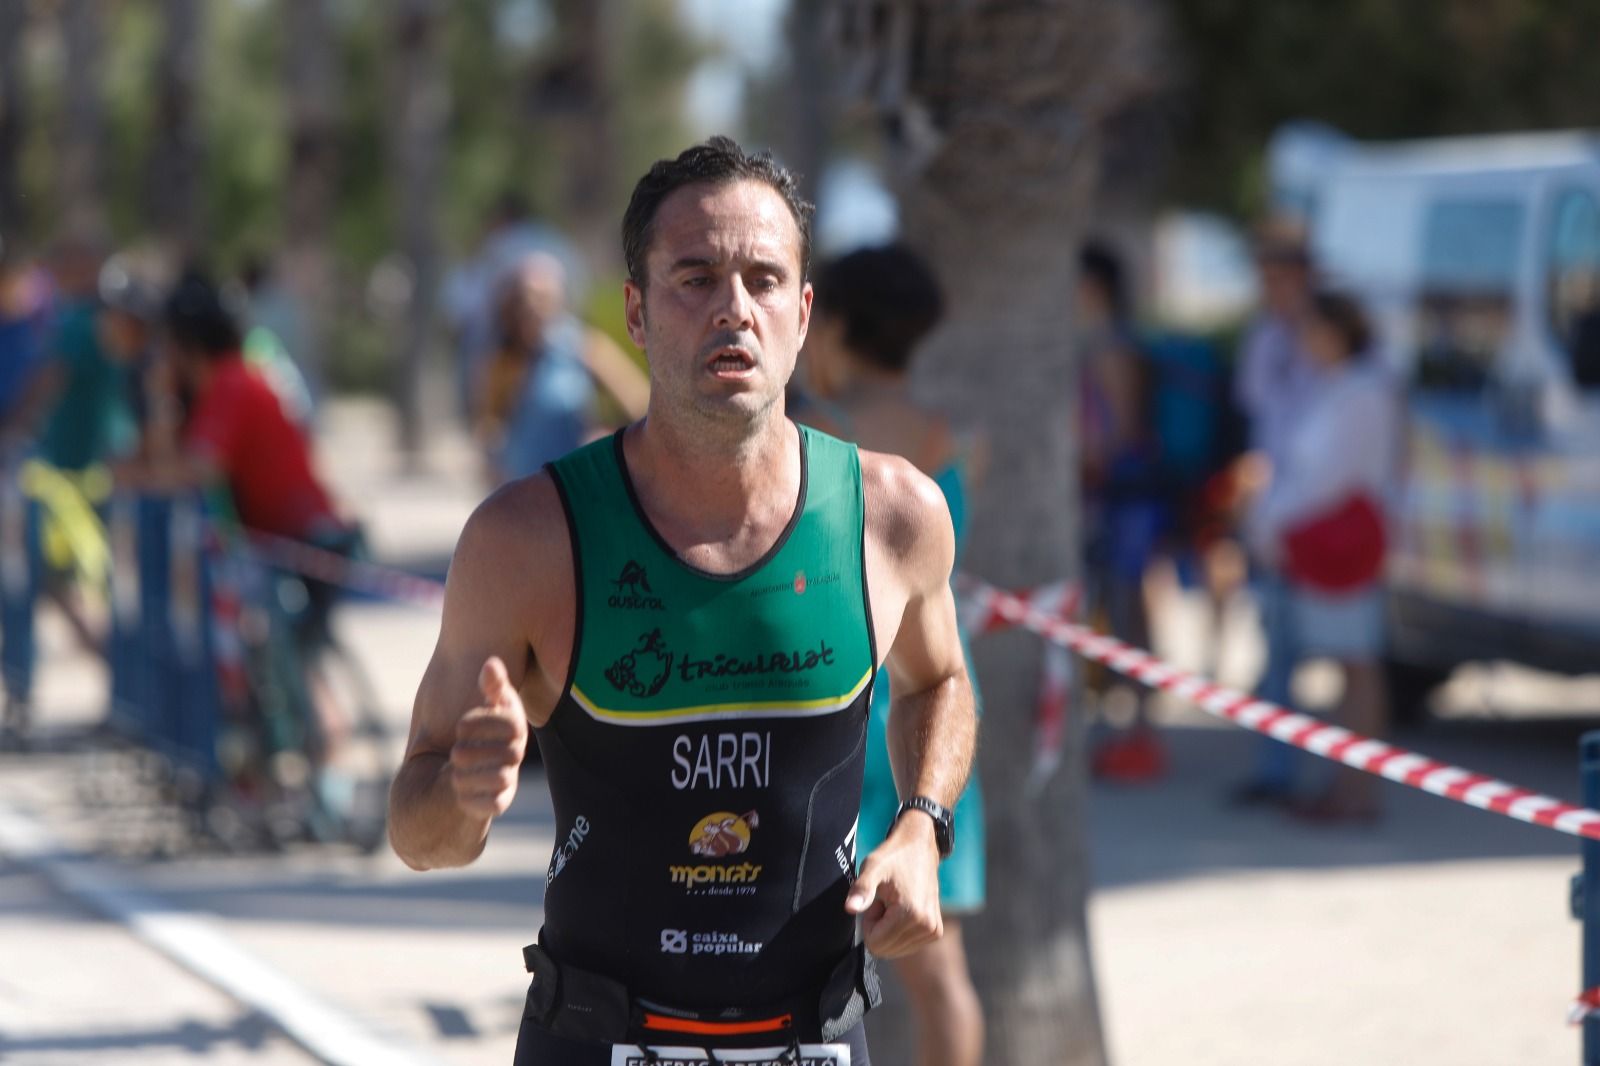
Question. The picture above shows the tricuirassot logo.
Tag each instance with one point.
(643, 671)
(633, 591)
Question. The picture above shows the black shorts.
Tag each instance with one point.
(537, 1046)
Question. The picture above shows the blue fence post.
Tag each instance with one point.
(21, 566)
(1589, 896)
(125, 647)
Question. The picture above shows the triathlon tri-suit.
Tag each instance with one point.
(705, 765)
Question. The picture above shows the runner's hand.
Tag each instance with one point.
(490, 740)
(897, 891)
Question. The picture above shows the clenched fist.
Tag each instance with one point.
(490, 741)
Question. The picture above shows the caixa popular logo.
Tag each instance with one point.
(642, 672)
(632, 591)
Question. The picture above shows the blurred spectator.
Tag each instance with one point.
(1275, 383)
(86, 393)
(872, 309)
(236, 433)
(1321, 525)
(1124, 488)
(472, 289)
(128, 324)
(25, 314)
(537, 398)
(236, 430)
(81, 399)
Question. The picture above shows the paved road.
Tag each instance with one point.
(1220, 938)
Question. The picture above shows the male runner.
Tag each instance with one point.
(690, 615)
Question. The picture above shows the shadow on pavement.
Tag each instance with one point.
(251, 1031)
(455, 901)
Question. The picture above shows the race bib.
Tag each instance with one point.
(810, 1055)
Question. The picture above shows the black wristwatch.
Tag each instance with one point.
(944, 827)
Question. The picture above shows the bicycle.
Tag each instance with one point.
(307, 753)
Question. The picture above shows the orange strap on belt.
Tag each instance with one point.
(684, 1025)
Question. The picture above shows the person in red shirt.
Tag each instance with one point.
(237, 433)
(236, 423)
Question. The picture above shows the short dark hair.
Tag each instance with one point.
(887, 298)
(1100, 264)
(717, 161)
(1343, 312)
(197, 317)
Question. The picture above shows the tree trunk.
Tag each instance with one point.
(174, 168)
(82, 167)
(13, 119)
(305, 262)
(991, 112)
(573, 92)
(810, 98)
(422, 104)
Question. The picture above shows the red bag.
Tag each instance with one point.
(1339, 550)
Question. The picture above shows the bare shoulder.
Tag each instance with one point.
(907, 517)
(514, 550)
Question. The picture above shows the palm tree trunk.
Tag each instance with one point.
(174, 170)
(13, 118)
(314, 101)
(422, 104)
(992, 110)
(574, 92)
(82, 166)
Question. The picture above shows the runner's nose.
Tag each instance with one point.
(734, 305)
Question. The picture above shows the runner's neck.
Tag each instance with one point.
(698, 497)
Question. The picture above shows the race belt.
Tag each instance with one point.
(579, 1004)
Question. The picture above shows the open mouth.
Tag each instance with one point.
(731, 362)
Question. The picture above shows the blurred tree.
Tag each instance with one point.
(82, 130)
(1374, 69)
(996, 115)
(311, 62)
(571, 96)
(421, 96)
(13, 117)
(173, 190)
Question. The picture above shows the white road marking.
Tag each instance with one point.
(200, 947)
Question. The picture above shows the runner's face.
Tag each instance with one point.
(725, 309)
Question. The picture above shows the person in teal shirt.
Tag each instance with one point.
(872, 308)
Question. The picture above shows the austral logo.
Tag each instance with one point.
(643, 671)
(722, 835)
(633, 592)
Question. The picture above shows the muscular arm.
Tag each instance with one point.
(932, 721)
(932, 724)
(508, 597)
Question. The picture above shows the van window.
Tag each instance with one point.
(1573, 282)
(1468, 272)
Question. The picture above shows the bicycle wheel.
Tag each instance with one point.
(352, 751)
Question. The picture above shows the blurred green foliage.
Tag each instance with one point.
(1372, 68)
(500, 139)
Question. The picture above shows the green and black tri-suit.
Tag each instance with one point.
(705, 758)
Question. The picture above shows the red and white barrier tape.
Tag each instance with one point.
(347, 573)
(1058, 670)
(1585, 1006)
(1309, 734)
(1048, 612)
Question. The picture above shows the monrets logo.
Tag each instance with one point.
(633, 592)
(644, 670)
(720, 835)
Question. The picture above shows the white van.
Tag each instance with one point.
(1479, 260)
